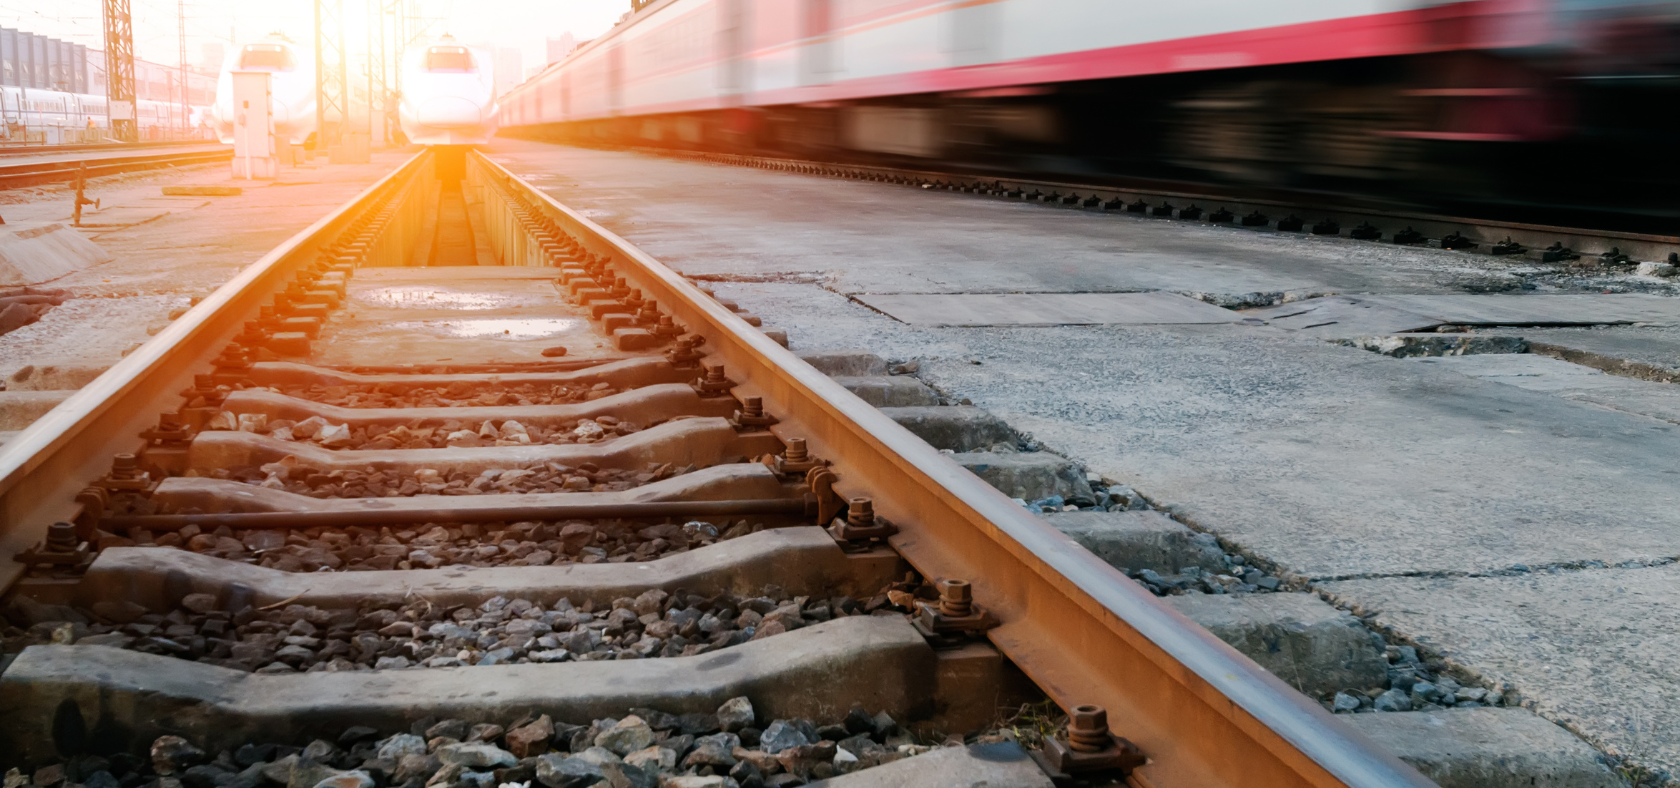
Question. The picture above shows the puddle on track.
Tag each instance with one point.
(433, 298)
(493, 327)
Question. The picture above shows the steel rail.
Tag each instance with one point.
(44, 466)
(1485, 232)
(1203, 713)
(34, 173)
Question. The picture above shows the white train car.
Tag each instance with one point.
(292, 85)
(1323, 92)
(449, 95)
(56, 117)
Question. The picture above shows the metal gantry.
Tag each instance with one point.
(119, 71)
(332, 85)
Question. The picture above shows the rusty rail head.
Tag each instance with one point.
(1204, 714)
(43, 468)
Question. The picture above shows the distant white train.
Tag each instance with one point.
(56, 117)
(292, 86)
(449, 95)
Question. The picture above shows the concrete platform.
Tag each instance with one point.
(127, 699)
(32, 255)
(165, 250)
(802, 560)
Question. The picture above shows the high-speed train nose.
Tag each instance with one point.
(445, 111)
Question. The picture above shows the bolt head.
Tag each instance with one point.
(1088, 718)
(860, 506)
(956, 591)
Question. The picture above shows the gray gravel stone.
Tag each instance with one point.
(1394, 700)
(735, 714)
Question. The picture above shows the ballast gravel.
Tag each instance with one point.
(420, 634)
(459, 394)
(645, 748)
(432, 546)
(448, 434)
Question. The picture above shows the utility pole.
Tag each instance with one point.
(181, 32)
(119, 71)
(332, 85)
(377, 94)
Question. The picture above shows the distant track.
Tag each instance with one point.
(44, 167)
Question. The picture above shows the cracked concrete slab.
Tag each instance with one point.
(1359, 315)
(1047, 309)
(1570, 381)
(1591, 649)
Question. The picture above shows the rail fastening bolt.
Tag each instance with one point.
(61, 538)
(1088, 728)
(795, 451)
(752, 406)
(860, 513)
(956, 598)
(124, 466)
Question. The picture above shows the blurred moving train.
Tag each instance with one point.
(1448, 103)
(55, 117)
(292, 87)
(449, 94)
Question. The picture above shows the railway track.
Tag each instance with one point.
(1579, 247)
(93, 163)
(672, 552)
(19, 149)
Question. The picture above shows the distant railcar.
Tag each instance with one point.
(448, 95)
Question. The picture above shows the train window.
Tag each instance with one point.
(267, 56)
(449, 59)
